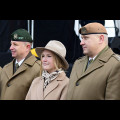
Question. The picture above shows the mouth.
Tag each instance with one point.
(84, 47)
(13, 52)
(45, 64)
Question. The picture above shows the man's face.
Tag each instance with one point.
(90, 44)
(18, 49)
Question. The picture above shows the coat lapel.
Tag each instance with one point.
(81, 67)
(54, 84)
(9, 70)
(92, 67)
(99, 62)
(50, 87)
(40, 94)
(22, 68)
(28, 62)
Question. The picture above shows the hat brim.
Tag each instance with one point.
(39, 51)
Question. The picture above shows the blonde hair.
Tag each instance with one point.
(57, 62)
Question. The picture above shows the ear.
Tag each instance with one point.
(101, 39)
(28, 46)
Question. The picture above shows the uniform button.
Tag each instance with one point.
(8, 85)
(77, 83)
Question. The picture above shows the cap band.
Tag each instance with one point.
(94, 33)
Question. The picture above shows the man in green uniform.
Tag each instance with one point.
(96, 76)
(17, 76)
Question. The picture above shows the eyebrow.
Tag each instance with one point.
(46, 54)
(85, 36)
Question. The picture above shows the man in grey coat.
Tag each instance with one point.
(99, 79)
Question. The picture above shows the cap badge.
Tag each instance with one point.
(15, 36)
(83, 30)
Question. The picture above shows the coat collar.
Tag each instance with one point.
(53, 85)
(9, 68)
(99, 62)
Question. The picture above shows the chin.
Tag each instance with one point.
(85, 53)
(13, 56)
(45, 68)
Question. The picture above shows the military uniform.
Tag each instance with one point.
(101, 81)
(14, 85)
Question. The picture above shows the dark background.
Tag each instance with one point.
(6, 28)
(44, 31)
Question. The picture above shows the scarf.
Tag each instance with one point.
(50, 77)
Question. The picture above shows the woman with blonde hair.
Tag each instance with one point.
(53, 82)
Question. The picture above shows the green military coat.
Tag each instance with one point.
(15, 86)
(101, 81)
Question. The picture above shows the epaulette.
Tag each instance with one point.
(117, 57)
(81, 57)
(38, 61)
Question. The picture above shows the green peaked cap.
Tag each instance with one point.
(21, 35)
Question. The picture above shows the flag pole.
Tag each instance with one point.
(32, 31)
(28, 22)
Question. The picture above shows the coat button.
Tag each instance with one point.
(8, 84)
(77, 84)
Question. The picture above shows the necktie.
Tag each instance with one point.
(16, 66)
(89, 62)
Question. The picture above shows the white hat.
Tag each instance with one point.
(56, 47)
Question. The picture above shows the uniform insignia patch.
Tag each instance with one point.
(83, 30)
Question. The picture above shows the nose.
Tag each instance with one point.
(44, 59)
(11, 47)
(82, 42)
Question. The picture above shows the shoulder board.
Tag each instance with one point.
(117, 56)
(81, 57)
(38, 61)
(9, 64)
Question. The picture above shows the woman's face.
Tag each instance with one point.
(47, 59)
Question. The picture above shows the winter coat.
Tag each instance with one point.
(14, 86)
(101, 81)
(56, 90)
